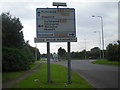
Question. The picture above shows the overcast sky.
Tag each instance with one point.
(85, 23)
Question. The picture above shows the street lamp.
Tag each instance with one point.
(102, 35)
(85, 49)
(100, 41)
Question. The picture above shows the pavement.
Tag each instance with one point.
(99, 76)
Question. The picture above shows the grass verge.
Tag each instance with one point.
(106, 62)
(58, 77)
(12, 75)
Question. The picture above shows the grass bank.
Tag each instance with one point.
(12, 75)
(106, 62)
(58, 76)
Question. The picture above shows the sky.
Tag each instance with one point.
(85, 23)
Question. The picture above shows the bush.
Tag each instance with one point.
(14, 59)
(112, 52)
(29, 53)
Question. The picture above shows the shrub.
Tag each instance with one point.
(29, 53)
(14, 59)
(112, 52)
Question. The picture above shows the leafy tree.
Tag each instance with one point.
(14, 59)
(16, 54)
(62, 53)
(78, 55)
(30, 51)
(44, 55)
(12, 35)
(113, 52)
(75, 55)
(83, 54)
(95, 53)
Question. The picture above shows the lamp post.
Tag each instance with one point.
(102, 35)
(100, 41)
(85, 50)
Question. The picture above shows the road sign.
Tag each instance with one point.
(37, 40)
(55, 23)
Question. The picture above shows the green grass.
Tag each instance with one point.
(33, 65)
(58, 77)
(12, 75)
(106, 62)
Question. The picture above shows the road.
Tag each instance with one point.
(99, 76)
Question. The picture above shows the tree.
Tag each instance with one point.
(44, 55)
(14, 59)
(12, 35)
(95, 53)
(73, 55)
(31, 51)
(62, 53)
(16, 54)
(113, 52)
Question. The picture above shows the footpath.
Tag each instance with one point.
(9, 83)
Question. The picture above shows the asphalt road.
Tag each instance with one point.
(99, 76)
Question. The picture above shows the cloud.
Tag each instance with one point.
(85, 23)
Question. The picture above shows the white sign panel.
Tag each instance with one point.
(37, 40)
(55, 23)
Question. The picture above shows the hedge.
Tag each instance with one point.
(14, 59)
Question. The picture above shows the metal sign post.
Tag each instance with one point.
(48, 61)
(69, 63)
(56, 25)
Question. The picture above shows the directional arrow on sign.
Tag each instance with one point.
(71, 34)
(40, 25)
(38, 13)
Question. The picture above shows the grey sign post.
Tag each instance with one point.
(69, 63)
(48, 61)
(56, 25)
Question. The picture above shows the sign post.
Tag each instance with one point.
(48, 61)
(56, 25)
(69, 63)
